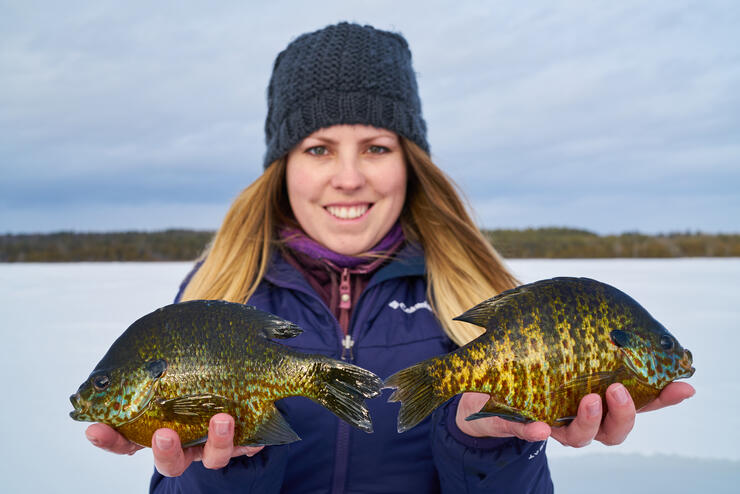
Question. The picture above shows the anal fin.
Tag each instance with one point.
(275, 430)
(495, 409)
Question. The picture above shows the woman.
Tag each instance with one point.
(355, 235)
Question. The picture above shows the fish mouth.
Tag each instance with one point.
(685, 364)
(79, 407)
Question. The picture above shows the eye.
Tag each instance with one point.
(318, 151)
(100, 382)
(666, 342)
(378, 150)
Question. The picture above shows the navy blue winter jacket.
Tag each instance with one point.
(392, 327)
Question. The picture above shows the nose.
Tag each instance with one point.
(349, 175)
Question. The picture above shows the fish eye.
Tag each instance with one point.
(666, 342)
(101, 381)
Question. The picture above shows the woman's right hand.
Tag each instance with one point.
(170, 459)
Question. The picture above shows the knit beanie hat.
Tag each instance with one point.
(342, 74)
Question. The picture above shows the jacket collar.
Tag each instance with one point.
(409, 261)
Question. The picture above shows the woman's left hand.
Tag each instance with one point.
(587, 426)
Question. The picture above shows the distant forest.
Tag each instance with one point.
(185, 245)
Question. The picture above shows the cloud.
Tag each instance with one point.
(164, 103)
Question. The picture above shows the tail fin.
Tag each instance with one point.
(343, 388)
(415, 391)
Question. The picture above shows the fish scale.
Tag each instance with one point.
(546, 345)
(183, 363)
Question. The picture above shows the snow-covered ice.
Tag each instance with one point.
(59, 319)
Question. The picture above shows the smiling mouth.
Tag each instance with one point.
(348, 212)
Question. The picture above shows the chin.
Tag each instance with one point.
(349, 249)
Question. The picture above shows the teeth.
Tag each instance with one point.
(347, 213)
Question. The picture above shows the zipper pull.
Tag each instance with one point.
(345, 291)
(347, 344)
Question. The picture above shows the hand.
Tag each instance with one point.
(588, 424)
(169, 458)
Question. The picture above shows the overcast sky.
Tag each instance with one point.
(608, 116)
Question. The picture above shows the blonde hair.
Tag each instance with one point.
(462, 268)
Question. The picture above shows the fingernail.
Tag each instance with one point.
(222, 427)
(594, 409)
(620, 395)
(163, 442)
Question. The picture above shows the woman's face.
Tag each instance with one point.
(347, 185)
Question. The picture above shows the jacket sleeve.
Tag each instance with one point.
(261, 473)
(470, 465)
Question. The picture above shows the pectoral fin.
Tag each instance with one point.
(495, 409)
(193, 409)
(564, 421)
(582, 385)
(195, 442)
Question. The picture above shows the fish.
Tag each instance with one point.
(546, 345)
(183, 363)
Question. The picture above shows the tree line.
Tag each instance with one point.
(573, 243)
(185, 245)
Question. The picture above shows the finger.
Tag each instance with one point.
(169, 458)
(620, 416)
(672, 394)
(533, 431)
(246, 450)
(495, 426)
(499, 427)
(107, 438)
(220, 445)
(585, 426)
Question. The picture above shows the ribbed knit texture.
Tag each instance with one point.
(342, 74)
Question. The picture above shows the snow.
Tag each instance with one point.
(59, 319)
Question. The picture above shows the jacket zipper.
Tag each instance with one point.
(341, 461)
(345, 304)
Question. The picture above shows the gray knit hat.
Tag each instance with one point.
(342, 74)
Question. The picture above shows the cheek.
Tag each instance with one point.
(302, 184)
(392, 184)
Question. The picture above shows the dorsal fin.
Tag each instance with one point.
(478, 315)
(272, 326)
(481, 314)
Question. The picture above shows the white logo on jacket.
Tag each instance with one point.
(409, 310)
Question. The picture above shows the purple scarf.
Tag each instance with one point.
(297, 240)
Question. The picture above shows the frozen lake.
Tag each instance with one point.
(59, 319)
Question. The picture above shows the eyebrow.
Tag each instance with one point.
(329, 140)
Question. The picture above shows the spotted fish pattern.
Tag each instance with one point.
(183, 363)
(545, 346)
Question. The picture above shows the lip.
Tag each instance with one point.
(76, 400)
(686, 364)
